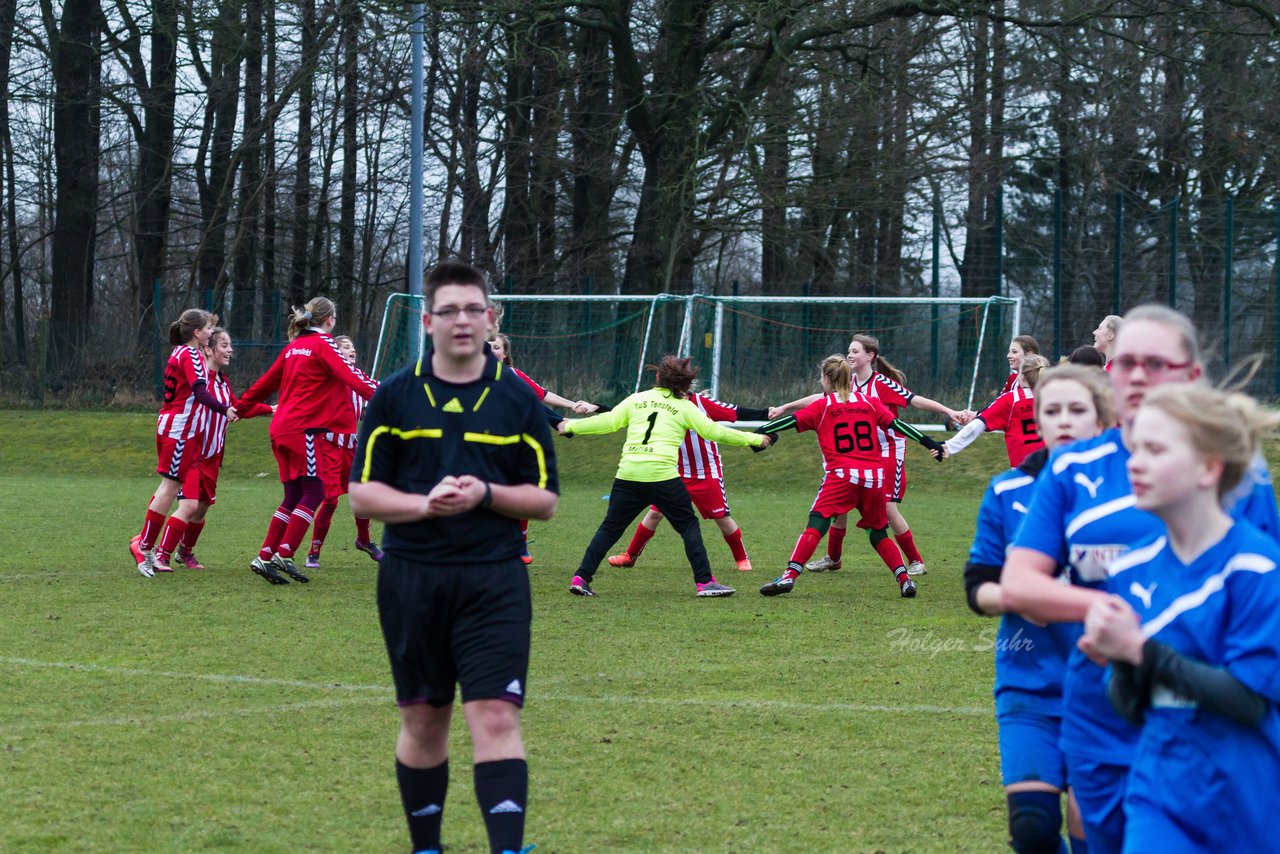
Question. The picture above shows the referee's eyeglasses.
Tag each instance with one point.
(451, 312)
(1153, 365)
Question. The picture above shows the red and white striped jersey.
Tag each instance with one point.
(846, 435)
(348, 440)
(699, 457)
(313, 380)
(893, 396)
(181, 415)
(215, 436)
(1014, 412)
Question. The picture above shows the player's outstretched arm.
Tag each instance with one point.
(935, 447)
(921, 402)
(965, 437)
(776, 412)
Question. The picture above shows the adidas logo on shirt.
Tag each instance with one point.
(506, 806)
(429, 809)
(513, 687)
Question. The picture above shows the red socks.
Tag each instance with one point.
(173, 531)
(735, 544)
(275, 533)
(639, 539)
(362, 530)
(888, 551)
(299, 520)
(908, 544)
(324, 517)
(151, 527)
(835, 543)
(805, 546)
(193, 534)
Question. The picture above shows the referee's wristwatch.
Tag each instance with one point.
(488, 494)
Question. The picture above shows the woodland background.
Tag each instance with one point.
(255, 153)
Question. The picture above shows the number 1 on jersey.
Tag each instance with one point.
(653, 419)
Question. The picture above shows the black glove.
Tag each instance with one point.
(772, 442)
(933, 445)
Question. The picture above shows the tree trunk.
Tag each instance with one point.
(302, 176)
(217, 182)
(593, 133)
(8, 192)
(347, 283)
(76, 69)
(249, 206)
(154, 190)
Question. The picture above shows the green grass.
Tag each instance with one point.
(211, 711)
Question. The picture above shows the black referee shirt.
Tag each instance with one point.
(419, 429)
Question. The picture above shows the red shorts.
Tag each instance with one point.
(895, 474)
(867, 495)
(207, 490)
(335, 468)
(708, 496)
(302, 455)
(180, 461)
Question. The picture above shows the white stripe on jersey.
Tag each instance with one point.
(699, 457)
(871, 388)
(193, 419)
(1136, 557)
(860, 477)
(348, 440)
(1013, 483)
(1071, 458)
(215, 435)
(1245, 562)
(1093, 514)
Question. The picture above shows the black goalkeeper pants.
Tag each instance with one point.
(627, 500)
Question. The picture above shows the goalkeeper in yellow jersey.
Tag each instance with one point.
(656, 421)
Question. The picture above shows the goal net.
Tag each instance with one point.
(752, 351)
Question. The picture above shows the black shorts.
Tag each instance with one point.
(465, 624)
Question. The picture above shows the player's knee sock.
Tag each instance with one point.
(1034, 822)
(908, 545)
(173, 531)
(422, 792)
(502, 790)
(302, 516)
(640, 539)
(805, 547)
(888, 550)
(192, 534)
(324, 517)
(362, 530)
(735, 544)
(835, 543)
(275, 532)
(152, 525)
(280, 519)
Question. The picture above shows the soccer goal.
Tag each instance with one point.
(750, 349)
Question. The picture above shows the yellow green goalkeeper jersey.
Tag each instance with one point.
(656, 421)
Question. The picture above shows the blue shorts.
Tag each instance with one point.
(1100, 789)
(1029, 749)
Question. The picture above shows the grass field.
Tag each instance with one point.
(211, 711)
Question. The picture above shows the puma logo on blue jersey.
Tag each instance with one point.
(1091, 485)
(1143, 593)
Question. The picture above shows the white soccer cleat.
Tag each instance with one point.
(917, 567)
(823, 564)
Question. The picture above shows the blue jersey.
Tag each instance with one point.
(1200, 782)
(1082, 513)
(1030, 659)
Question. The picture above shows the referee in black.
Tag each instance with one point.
(453, 452)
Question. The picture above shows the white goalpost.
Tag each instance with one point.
(749, 348)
